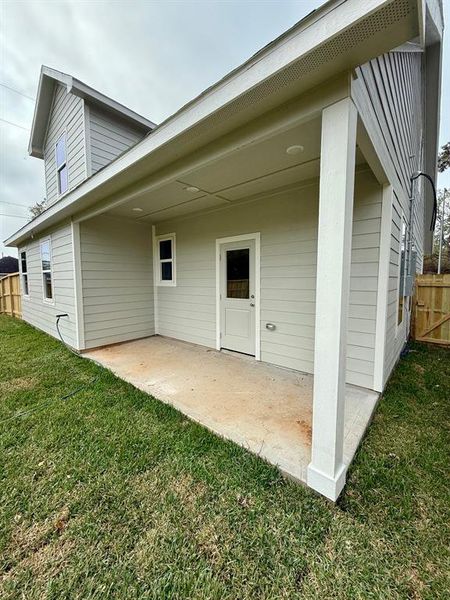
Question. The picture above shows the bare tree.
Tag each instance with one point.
(37, 209)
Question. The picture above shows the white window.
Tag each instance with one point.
(402, 273)
(61, 165)
(166, 260)
(24, 272)
(46, 264)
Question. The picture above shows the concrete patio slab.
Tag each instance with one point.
(264, 408)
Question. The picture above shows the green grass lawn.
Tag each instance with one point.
(112, 494)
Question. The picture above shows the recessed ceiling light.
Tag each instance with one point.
(192, 189)
(137, 209)
(294, 149)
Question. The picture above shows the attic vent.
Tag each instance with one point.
(392, 14)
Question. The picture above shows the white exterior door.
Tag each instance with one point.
(237, 296)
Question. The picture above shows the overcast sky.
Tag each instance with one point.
(152, 56)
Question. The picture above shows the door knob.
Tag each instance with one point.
(252, 304)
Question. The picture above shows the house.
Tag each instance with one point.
(279, 214)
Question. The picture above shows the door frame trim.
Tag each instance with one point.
(256, 237)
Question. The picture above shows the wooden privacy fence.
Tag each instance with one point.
(432, 309)
(10, 298)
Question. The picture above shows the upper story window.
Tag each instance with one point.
(402, 273)
(46, 265)
(166, 259)
(24, 272)
(62, 173)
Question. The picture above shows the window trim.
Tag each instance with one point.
(24, 274)
(44, 298)
(65, 164)
(158, 261)
(402, 222)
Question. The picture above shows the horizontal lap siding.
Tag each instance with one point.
(42, 314)
(67, 115)
(364, 280)
(388, 94)
(117, 281)
(288, 226)
(109, 137)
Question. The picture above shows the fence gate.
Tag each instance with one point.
(10, 298)
(432, 309)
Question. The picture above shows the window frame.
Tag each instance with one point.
(64, 164)
(158, 262)
(23, 273)
(399, 277)
(44, 297)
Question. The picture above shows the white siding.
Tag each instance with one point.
(42, 314)
(67, 115)
(117, 281)
(288, 225)
(388, 94)
(109, 137)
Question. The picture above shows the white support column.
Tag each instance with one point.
(326, 472)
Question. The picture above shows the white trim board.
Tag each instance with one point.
(256, 237)
(78, 285)
(383, 288)
(155, 282)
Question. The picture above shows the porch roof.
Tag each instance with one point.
(331, 40)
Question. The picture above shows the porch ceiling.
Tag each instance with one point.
(245, 171)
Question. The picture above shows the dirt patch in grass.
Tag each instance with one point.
(17, 384)
(38, 547)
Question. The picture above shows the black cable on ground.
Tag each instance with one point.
(66, 396)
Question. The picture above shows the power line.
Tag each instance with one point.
(16, 91)
(15, 124)
(13, 216)
(13, 203)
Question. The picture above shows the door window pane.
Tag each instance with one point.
(166, 271)
(238, 273)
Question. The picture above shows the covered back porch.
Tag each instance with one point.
(295, 195)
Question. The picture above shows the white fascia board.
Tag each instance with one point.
(435, 11)
(86, 92)
(316, 29)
